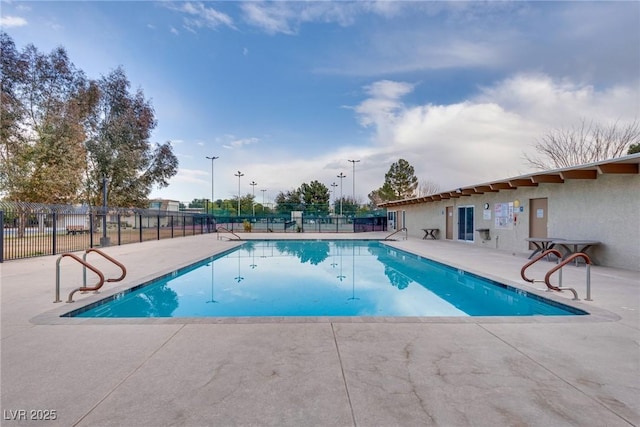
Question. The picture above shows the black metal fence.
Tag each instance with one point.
(31, 229)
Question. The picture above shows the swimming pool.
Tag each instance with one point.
(321, 278)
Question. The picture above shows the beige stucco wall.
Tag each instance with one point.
(606, 210)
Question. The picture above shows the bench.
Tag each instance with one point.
(571, 247)
(76, 229)
(430, 233)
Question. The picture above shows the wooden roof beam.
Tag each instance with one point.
(547, 178)
(525, 182)
(580, 174)
(502, 186)
(484, 189)
(629, 168)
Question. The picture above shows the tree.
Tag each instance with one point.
(315, 196)
(289, 201)
(349, 206)
(246, 204)
(198, 203)
(587, 142)
(634, 148)
(400, 182)
(45, 104)
(426, 188)
(12, 140)
(119, 148)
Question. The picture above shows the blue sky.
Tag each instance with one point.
(288, 92)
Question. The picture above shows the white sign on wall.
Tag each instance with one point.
(504, 215)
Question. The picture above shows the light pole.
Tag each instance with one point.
(334, 185)
(239, 174)
(212, 158)
(354, 178)
(104, 240)
(341, 176)
(263, 191)
(253, 201)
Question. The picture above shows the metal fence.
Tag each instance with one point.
(32, 229)
(304, 223)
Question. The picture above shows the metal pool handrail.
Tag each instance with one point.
(555, 252)
(587, 261)
(557, 267)
(397, 231)
(227, 230)
(116, 262)
(82, 288)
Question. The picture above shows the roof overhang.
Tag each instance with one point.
(626, 165)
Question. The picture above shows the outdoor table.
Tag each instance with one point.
(542, 244)
(430, 233)
(575, 246)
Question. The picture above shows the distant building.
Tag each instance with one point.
(164, 205)
(165, 209)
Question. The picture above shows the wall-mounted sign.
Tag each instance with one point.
(504, 215)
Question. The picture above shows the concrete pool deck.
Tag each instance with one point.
(535, 371)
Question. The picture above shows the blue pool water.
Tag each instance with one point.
(321, 278)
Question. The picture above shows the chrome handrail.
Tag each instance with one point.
(228, 231)
(397, 231)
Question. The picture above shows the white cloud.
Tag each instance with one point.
(480, 139)
(12, 21)
(190, 177)
(274, 19)
(201, 15)
(484, 138)
(287, 17)
(233, 143)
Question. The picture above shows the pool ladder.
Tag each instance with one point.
(85, 265)
(221, 228)
(558, 266)
(398, 231)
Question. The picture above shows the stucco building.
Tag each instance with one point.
(598, 202)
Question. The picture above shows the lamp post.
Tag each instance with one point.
(253, 201)
(354, 178)
(341, 176)
(263, 191)
(239, 174)
(104, 240)
(334, 185)
(212, 158)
